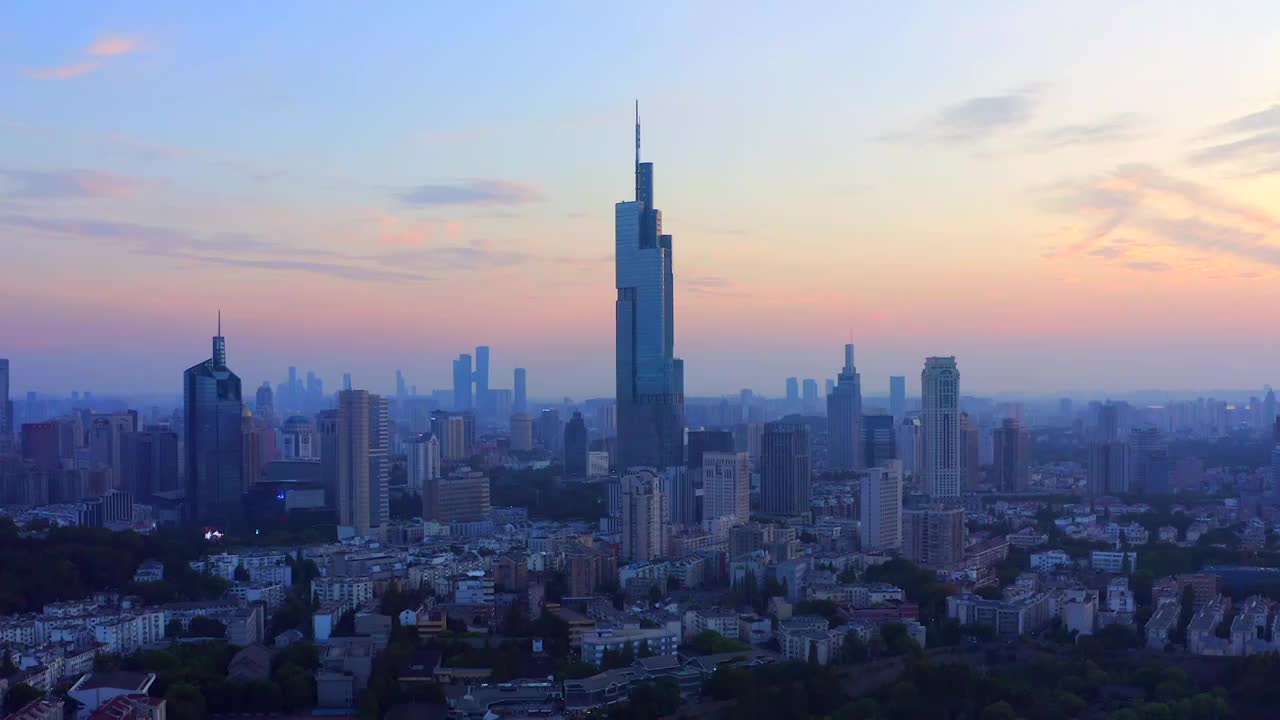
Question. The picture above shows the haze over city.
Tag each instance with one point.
(1064, 206)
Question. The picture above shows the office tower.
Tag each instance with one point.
(462, 383)
(521, 432)
(500, 402)
(521, 402)
(879, 440)
(909, 446)
(940, 427)
(1268, 411)
(644, 527)
(844, 418)
(482, 400)
(650, 379)
(793, 393)
(149, 462)
(423, 454)
(784, 469)
(550, 431)
(364, 460)
(575, 447)
(970, 454)
(1109, 423)
(1109, 467)
(346, 381)
(451, 428)
(705, 441)
(1064, 410)
(1011, 465)
(252, 457)
(726, 490)
(897, 396)
(830, 385)
(679, 496)
(264, 405)
(1149, 453)
(810, 396)
(213, 443)
(40, 445)
(6, 408)
(402, 389)
(327, 438)
(934, 537)
(462, 497)
(880, 512)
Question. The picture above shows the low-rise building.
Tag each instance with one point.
(661, 641)
(1009, 619)
(1114, 561)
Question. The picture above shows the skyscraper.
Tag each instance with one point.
(521, 432)
(1012, 457)
(650, 379)
(346, 381)
(934, 537)
(1109, 466)
(810, 396)
(264, 407)
(575, 447)
(462, 383)
(784, 469)
(521, 402)
(1151, 468)
(327, 431)
(940, 431)
(702, 442)
(793, 393)
(482, 381)
(726, 490)
(149, 462)
(897, 396)
(364, 435)
(423, 454)
(679, 496)
(844, 417)
(212, 440)
(880, 509)
(879, 440)
(1268, 411)
(644, 527)
(6, 408)
(970, 453)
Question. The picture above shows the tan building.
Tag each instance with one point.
(726, 489)
(934, 537)
(644, 526)
(463, 497)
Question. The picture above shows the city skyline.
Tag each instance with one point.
(1024, 276)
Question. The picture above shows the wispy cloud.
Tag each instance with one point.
(713, 285)
(56, 184)
(1247, 145)
(1115, 129)
(91, 58)
(975, 119)
(1142, 218)
(470, 192)
(233, 250)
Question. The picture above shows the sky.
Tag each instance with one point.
(1066, 196)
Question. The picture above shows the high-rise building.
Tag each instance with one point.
(650, 379)
(644, 527)
(462, 383)
(6, 407)
(934, 537)
(970, 453)
(784, 469)
(482, 399)
(897, 396)
(809, 396)
(550, 430)
(844, 417)
(1011, 464)
(364, 460)
(327, 434)
(346, 381)
(264, 407)
(521, 402)
(1109, 467)
(521, 432)
(880, 510)
(575, 447)
(679, 496)
(423, 454)
(105, 434)
(909, 446)
(41, 445)
(298, 439)
(149, 462)
(879, 440)
(1109, 422)
(702, 442)
(1149, 453)
(726, 490)
(940, 429)
(212, 440)
(1268, 411)
(793, 393)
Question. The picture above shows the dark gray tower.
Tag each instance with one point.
(214, 443)
(844, 417)
(650, 379)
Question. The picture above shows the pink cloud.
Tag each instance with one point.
(62, 72)
(112, 45)
(108, 46)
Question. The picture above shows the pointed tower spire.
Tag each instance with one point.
(219, 345)
(637, 134)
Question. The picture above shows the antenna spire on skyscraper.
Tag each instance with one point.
(637, 133)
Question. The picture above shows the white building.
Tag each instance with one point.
(423, 452)
(1050, 560)
(940, 431)
(881, 508)
(644, 526)
(726, 490)
(1113, 561)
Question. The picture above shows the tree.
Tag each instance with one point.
(19, 696)
(173, 628)
(853, 650)
(241, 574)
(184, 700)
(1001, 710)
(813, 653)
(206, 627)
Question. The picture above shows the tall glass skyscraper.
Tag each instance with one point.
(650, 379)
(213, 441)
(844, 417)
(940, 410)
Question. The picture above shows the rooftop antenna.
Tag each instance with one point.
(637, 133)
